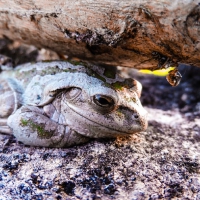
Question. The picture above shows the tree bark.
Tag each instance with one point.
(139, 34)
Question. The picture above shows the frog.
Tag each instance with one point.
(62, 104)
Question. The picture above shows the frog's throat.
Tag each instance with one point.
(117, 131)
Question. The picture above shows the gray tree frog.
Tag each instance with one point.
(60, 104)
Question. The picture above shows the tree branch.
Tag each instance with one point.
(140, 34)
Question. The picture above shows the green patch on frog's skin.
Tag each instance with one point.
(24, 122)
(130, 99)
(99, 77)
(42, 133)
(118, 85)
(127, 83)
(91, 72)
(119, 114)
(109, 73)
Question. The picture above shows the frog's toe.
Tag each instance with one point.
(4, 128)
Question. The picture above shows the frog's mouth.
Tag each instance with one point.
(137, 127)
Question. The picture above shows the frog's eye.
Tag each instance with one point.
(105, 102)
(72, 93)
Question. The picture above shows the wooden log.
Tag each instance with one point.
(139, 34)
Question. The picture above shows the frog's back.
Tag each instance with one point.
(29, 70)
(14, 81)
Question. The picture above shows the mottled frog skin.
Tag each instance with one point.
(60, 104)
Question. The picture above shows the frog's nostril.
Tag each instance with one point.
(136, 116)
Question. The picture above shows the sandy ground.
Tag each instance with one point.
(160, 163)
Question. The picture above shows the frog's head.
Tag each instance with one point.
(94, 107)
(101, 111)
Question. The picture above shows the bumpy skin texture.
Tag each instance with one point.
(59, 104)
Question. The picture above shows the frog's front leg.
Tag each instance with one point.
(32, 127)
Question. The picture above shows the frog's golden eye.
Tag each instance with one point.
(72, 93)
(103, 101)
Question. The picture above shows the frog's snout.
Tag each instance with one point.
(143, 120)
(139, 117)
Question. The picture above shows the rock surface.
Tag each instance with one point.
(160, 163)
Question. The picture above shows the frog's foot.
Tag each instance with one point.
(4, 128)
(6, 63)
(32, 127)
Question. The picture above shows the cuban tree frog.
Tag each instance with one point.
(59, 104)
